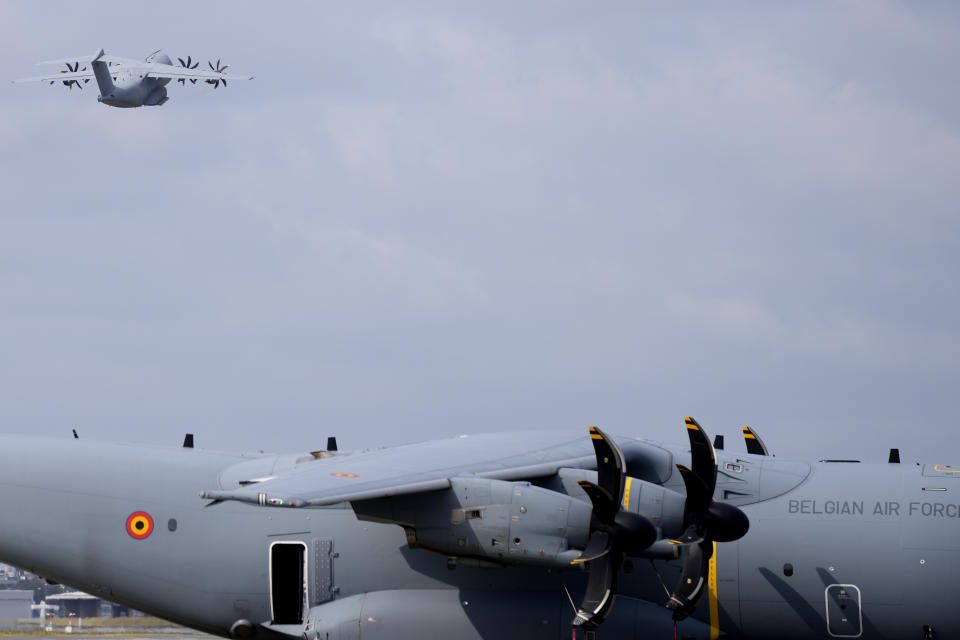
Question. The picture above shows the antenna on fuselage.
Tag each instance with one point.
(75, 436)
(188, 441)
(718, 442)
(894, 456)
(332, 443)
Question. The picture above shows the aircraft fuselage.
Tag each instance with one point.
(853, 550)
(131, 86)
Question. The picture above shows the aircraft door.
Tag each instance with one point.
(844, 619)
(288, 589)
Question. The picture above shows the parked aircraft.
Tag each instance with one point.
(125, 82)
(493, 536)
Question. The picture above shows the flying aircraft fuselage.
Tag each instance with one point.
(833, 550)
(131, 87)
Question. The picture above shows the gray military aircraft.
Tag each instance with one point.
(496, 536)
(125, 82)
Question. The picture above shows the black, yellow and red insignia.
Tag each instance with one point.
(139, 525)
(344, 475)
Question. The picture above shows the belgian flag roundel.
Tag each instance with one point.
(139, 525)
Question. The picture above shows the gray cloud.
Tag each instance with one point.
(441, 219)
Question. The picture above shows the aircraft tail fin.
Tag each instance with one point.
(102, 73)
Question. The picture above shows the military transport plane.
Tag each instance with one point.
(522, 535)
(125, 82)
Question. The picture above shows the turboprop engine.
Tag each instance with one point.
(481, 520)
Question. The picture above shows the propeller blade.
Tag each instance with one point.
(224, 82)
(601, 591)
(218, 63)
(193, 81)
(195, 64)
(611, 465)
(754, 444)
(597, 546)
(604, 506)
(182, 63)
(188, 62)
(703, 456)
(698, 495)
(692, 535)
(212, 68)
(693, 580)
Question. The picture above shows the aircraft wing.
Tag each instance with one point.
(429, 466)
(160, 70)
(57, 77)
(117, 60)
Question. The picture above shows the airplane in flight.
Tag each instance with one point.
(127, 83)
(532, 535)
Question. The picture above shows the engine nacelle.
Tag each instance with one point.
(662, 506)
(499, 521)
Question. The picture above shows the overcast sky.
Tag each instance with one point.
(439, 219)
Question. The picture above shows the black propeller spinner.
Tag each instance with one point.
(188, 66)
(218, 69)
(614, 532)
(707, 522)
(69, 84)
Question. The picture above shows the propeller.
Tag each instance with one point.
(71, 83)
(707, 522)
(614, 532)
(218, 69)
(188, 66)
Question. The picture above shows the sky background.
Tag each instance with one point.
(436, 219)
